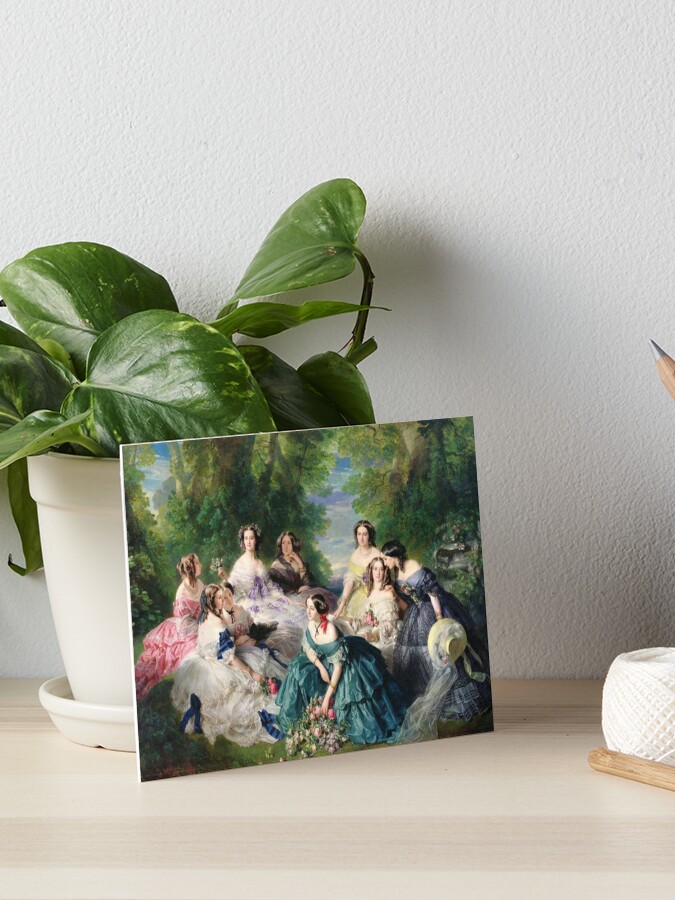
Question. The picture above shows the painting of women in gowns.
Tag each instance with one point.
(338, 603)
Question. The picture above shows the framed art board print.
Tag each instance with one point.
(304, 593)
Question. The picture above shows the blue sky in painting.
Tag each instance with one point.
(156, 475)
(338, 542)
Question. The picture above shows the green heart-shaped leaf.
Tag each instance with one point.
(38, 432)
(265, 318)
(342, 384)
(313, 242)
(71, 293)
(24, 511)
(161, 375)
(30, 380)
(294, 403)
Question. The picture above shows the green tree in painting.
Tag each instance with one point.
(213, 486)
(265, 478)
(302, 466)
(150, 567)
(413, 479)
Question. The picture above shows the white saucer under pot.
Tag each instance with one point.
(93, 724)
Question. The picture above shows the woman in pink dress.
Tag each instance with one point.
(169, 643)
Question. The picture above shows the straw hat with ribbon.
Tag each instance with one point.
(446, 642)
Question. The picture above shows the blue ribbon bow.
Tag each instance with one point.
(225, 643)
(194, 710)
(268, 720)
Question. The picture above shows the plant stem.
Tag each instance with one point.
(356, 340)
(88, 444)
(357, 355)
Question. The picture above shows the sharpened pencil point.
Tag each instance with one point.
(657, 351)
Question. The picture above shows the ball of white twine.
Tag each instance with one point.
(638, 704)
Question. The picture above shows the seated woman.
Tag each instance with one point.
(347, 670)
(353, 598)
(290, 572)
(225, 674)
(381, 618)
(258, 594)
(428, 603)
(165, 647)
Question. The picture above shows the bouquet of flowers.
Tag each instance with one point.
(314, 732)
(216, 564)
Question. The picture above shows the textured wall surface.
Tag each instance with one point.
(518, 163)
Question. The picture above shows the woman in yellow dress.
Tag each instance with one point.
(353, 599)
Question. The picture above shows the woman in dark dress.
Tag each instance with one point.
(428, 603)
(291, 573)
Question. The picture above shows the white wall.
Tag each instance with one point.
(518, 163)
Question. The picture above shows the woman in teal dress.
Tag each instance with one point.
(347, 670)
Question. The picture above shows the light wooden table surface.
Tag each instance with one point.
(490, 815)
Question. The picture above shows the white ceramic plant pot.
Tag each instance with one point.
(79, 503)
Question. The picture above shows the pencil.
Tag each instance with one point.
(665, 366)
(644, 770)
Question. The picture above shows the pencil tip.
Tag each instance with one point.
(657, 351)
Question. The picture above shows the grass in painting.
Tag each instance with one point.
(166, 752)
(484, 722)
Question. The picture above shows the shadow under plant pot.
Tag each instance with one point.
(79, 502)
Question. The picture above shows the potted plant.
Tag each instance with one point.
(105, 358)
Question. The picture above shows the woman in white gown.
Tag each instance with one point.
(381, 618)
(219, 687)
(257, 593)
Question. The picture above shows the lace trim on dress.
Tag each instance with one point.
(340, 656)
